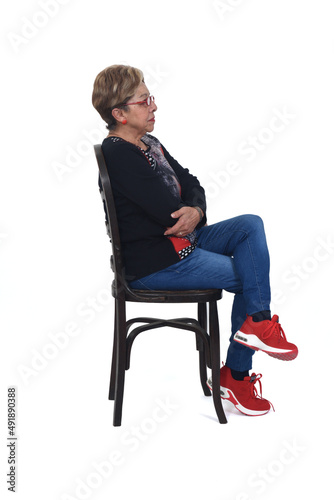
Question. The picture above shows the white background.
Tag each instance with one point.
(220, 72)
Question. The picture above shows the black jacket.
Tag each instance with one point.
(144, 205)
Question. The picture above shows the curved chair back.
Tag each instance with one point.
(111, 222)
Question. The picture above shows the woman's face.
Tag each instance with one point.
(140, 117)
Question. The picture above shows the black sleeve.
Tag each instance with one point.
(192, 193)
(132, 176)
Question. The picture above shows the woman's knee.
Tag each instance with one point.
(253, 222)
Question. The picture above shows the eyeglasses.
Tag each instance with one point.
(148, 101)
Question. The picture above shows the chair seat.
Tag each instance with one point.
(169, 296)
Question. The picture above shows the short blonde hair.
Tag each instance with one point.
(112, 88)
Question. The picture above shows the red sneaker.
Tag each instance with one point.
(267, 336)
(242, 393)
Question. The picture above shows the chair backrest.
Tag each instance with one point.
(111, 222)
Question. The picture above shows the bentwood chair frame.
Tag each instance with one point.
(207, 343)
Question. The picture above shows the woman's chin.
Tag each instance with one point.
(150, 126)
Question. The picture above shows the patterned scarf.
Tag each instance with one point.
(159, 163)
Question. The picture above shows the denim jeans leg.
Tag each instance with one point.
(231, 255)
(200, 270)
(239, 357)
(243, 238)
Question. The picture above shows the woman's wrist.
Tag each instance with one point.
(200, 212)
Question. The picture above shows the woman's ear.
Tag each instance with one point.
(118, 114)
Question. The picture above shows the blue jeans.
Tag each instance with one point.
(231, 255)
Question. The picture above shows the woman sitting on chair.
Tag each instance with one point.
(166, 242)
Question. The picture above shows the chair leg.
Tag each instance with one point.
(215, 360)
(112, 383)
(120, 361)
(202, 319)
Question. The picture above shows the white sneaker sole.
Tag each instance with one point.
(252, 341)
(227, 394)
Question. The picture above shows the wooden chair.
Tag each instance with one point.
(207, 344)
